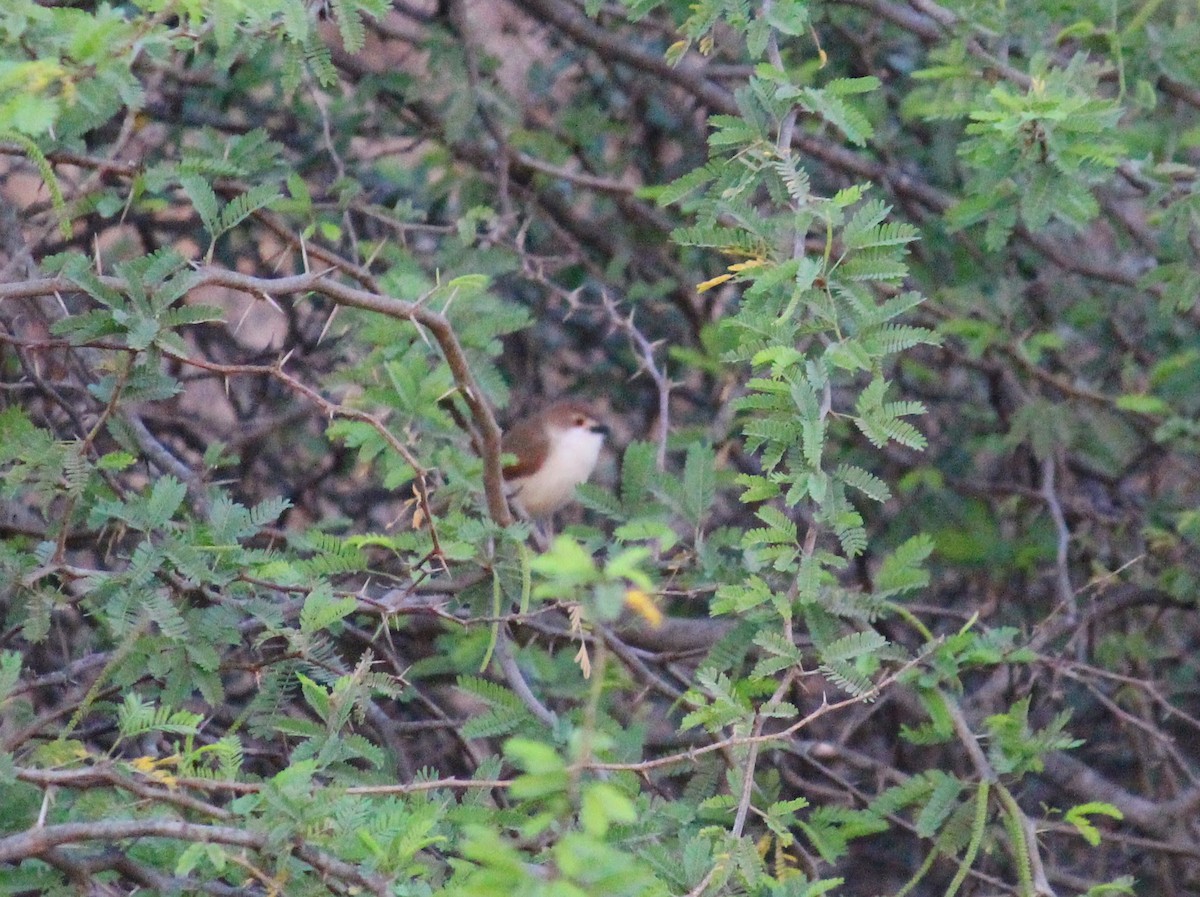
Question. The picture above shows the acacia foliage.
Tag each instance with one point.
(890, 587)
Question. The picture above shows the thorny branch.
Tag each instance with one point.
(342, 294)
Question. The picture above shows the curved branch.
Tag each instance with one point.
(38, 841)
(342, 294)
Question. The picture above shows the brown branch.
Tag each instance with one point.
(1179, 90)
(97, 776)
(1062, 573)
(37, 841)
(1167, 819)
(453, 784)
(644, 350)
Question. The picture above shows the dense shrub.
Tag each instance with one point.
(887, 585)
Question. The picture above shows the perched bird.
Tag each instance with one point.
(556, 450)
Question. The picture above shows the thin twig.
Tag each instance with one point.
(516, 680)
(644, 349)
(1066, 593)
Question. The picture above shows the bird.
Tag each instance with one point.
(556, 449)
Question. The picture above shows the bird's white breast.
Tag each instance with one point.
(572, 458)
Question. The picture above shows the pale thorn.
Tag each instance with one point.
(370, 260)
(424, 297)
(421, 332)
(271, 301)
(237, 328)
(328, 324)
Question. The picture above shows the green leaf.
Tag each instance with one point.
(246, 204)
(901, 570)
(849, 355)
(829, 105)
(10, 673)
(204, 200)
(318, 697)
(321, 610)
(136, 717)
(1142, 403)
(866, 483)
(603, 804)
(116, 461)
(565, 564)
(627, 565)
(942, 801)
(699, 482)
(166, 496)
(852, 646)
(1078, 817)
(545, 771)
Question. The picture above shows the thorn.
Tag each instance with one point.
(421, 333)
(242, 320)
(424, 297)
(328, 324)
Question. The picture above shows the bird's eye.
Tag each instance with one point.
(580, 420)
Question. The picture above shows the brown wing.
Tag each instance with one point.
(527, 440)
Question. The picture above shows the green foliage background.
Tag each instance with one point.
(888, 585)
